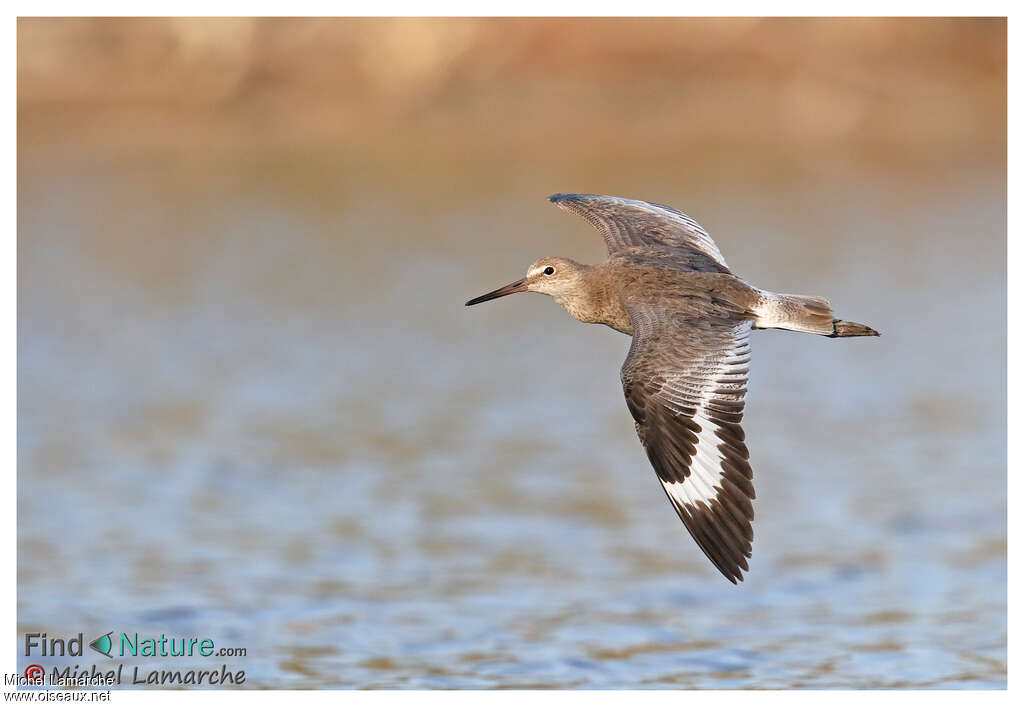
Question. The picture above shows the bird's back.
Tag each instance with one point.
(645, 279)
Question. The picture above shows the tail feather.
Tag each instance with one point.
(842, 328)
(812, 315)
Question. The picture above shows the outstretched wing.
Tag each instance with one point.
(685, 380)
(629, 223)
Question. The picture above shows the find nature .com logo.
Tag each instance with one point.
(127, 646)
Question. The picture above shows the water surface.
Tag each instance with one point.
(252, 407)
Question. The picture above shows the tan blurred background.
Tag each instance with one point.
(250, 393)
(867, 90)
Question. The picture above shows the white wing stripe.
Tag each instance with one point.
(705, 478)
(710, 386)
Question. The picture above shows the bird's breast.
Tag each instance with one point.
(598, 310)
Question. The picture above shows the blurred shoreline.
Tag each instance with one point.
(869, 92)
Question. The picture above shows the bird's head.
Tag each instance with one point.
(558, 277)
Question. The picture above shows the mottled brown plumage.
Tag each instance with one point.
(666, 284)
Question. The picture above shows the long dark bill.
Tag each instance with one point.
(517, 286)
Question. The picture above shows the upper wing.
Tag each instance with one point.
(627, 223)
(685, 380)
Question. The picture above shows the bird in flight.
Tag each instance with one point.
(666, 284)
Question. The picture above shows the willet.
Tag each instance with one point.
(666, 284)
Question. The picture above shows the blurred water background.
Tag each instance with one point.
(251, 404)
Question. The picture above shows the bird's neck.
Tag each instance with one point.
(595, 301)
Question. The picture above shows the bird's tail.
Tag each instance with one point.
(812, 315)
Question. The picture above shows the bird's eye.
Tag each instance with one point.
(549, 270)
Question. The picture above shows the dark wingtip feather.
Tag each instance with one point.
(728, 554)
(568, 198)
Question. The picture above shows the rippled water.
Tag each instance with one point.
(252, 407)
